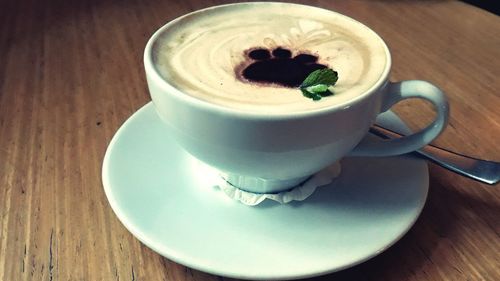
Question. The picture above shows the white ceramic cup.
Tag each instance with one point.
(265, 153)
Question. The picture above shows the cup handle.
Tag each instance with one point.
(397, 92)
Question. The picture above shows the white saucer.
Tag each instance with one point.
(155, 190)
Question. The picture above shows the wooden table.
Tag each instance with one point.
(71, 72)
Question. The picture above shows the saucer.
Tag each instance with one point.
(167, 199)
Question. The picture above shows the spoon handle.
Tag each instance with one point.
(481, 170)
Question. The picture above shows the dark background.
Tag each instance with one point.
(490, 5)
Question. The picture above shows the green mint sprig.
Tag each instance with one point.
(317, 84)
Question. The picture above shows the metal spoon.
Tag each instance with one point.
(477, 169)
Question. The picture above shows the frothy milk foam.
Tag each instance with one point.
(201, 54)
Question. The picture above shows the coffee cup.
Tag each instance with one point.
(264, 137)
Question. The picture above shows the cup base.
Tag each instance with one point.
(260, 185)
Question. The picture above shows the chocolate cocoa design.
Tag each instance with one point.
(279, 67)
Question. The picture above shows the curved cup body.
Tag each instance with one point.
(262, 149)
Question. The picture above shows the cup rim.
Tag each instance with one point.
(167, 87)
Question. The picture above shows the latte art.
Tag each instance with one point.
(203, 54)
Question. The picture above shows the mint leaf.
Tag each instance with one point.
(318, 82)
(327, 93)
(313, 96)
(326, 76)
(317, 88)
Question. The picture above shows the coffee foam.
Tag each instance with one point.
(200, 54)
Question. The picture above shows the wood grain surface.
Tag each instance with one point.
(71, 72)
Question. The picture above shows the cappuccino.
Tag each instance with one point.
(253, 56)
